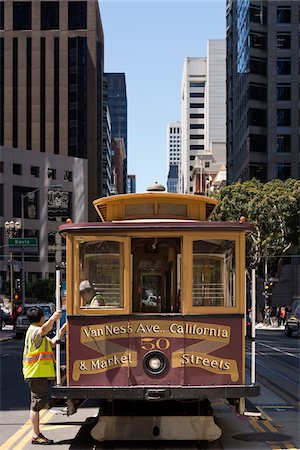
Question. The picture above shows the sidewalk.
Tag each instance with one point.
(261, 326)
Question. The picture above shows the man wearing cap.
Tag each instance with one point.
(90, 300)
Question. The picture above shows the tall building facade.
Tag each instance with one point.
(117, 103)
(51, 77)
(262, 89)
(203, 118)
(173, 155)
(107, 150)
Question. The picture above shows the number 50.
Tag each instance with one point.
(152, 343)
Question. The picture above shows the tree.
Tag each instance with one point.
(43, 290)
(273, 208)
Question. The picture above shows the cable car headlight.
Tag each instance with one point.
(155, 363)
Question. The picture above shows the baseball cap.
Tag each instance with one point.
(85, 284)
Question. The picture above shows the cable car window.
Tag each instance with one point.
(101, 274)
(214, 273)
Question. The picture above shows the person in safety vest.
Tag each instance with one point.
(38, 365)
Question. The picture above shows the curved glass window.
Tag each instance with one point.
(214, 273)
(101, 272)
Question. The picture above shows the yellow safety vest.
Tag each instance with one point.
(37, 363)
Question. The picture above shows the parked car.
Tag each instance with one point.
(293, 322)
(22, 322)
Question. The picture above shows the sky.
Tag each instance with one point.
(148, 41)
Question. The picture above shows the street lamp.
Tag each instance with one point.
(23, 196)
(11, 229)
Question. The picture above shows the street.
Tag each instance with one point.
(277, 427)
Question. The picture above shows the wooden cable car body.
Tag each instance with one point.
(170, 326)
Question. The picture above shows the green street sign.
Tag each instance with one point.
(22, 242)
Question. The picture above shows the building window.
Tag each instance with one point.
(258, 40)
(31, 202)
(283, 143)
(68, 176)
(283, 66)
(283, 40)
(196, 105)
(197, 116)
(283, 117)
(35, 171)
(192, 157)
(77, 15)
(49, 15)
(17, 169)
(1, 167)
(196, 147)
(28, 93)
(1, 200)
(22, 15)
(258, 14)
(257, 92)
(283, 14)
(283, 91)
(258, 143)
(15, 93)
(257, 117)
(56, 96)
(206, 164)
(196, 126)
(283, 171)
(197, 94)
(43, 94)
(258, 66)
(1, 91)
(196, 84)
(52, 174)
(196, 136)
(1, 15)
(259, 171)
(77, 126)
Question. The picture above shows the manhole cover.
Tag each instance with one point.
(262, 437)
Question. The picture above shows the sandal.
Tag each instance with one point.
(41, 440)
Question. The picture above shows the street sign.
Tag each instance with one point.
(22, 242)
(274, 280)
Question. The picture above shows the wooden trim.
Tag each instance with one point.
(126, 274)
(239, 269)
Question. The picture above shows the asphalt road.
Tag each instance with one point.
(277, 427)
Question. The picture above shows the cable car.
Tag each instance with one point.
(156, 316)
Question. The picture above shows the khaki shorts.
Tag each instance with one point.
(39, 391)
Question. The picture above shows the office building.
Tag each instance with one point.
(262, 90)
(117, 103)
(51, 78)
(203, 119)
(173, 155)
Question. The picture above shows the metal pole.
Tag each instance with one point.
(266, 275)
(58, 308)
(11, 280)
(253, 310)
(23, 262)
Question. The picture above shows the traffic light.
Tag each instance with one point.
(18, 284)
(17, 297)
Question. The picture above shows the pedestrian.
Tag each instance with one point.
(273, 316)
(38, 365)
(267, 316)
(282, 315)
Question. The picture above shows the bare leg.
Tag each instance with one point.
(35, 421)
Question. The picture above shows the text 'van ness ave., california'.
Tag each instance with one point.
(150, 328)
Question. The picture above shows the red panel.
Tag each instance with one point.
(109, 351)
